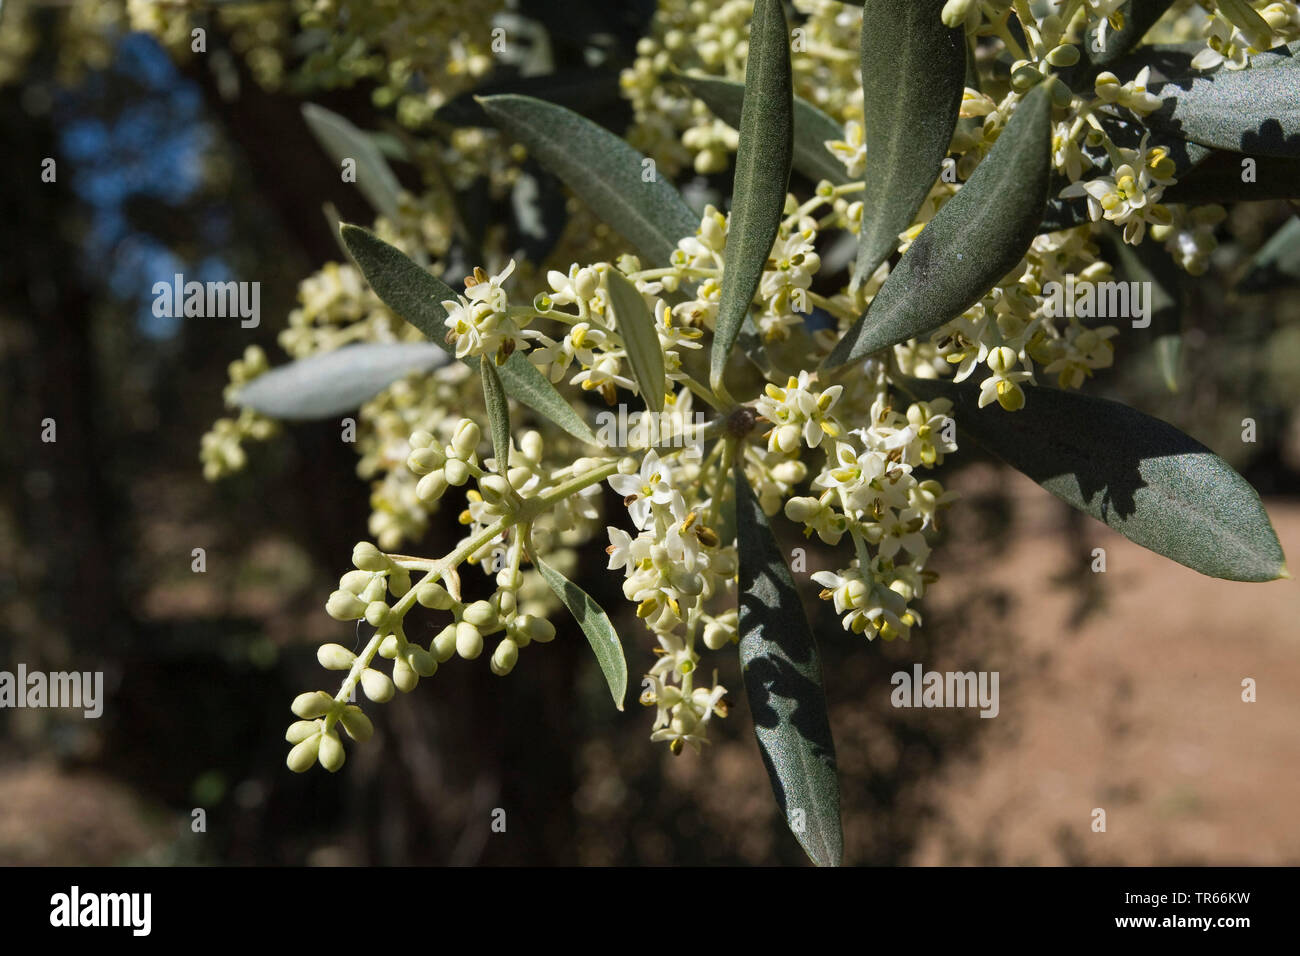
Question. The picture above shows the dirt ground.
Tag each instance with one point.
(1138, 711)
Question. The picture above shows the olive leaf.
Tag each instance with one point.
(1141, 476)
(621, 186)
(417, 296)
(1254, 111)
(595, 625)
(331, 383)
(636, 326)
(342, 141)
(783, 682)
(913, 76)
(498, 409)
(971, 243)
(762, 175)
(812, 128)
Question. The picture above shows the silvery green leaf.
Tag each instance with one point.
(331, 383)
(1255, 111)
(1141, 476)
(620, 185)
(636, 325)
(971, 243)
(812, 127)
(341, 140)
(1277, 264)
(595, 625)
(913, 76)
(762, 175)
(417, 296)
(783, 681)
(498, 410)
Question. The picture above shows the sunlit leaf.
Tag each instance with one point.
(595, 625)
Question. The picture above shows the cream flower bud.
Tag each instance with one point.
(377, 613)
(802, 510)
(504, 657)
(389, 647)
(356, 723)
(538, 629)
(300, 730)
(345, 606)
(509, 578)
(335, 657)
(480, 614)
(315, 703)
(531, 446)
(377, 685)
(303, 756)
(519, 476)
(374, 591)
(503, 603)
(432, 486)
(421, 661)
(433, 595)
(422, 461)
(369, 558)
(493, 488)
(456, 472)
(331, 752)
(404, 676)
(465, 440)
(355, 581)
(586, 282)
(399, 581)
(443, 646)
(786, 439)
(469, 642)
(421, 439)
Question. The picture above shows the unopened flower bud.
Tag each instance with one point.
(369, 558)
(331, 752)
(356, 723)
(443, 646)
(456, 472)
(421, 661)
(480, 614)
(300, 730)
(404, 676)
(303, 756)
(422, 461)
(433, 595)
(335, 657)
(493, 488)
(504, 657)
(389, 647)
(432, 486)
(314, 703)
(355, 581)
(345, 606)
(377, 685)
(465, 440)
(469, 642)
(377, 613)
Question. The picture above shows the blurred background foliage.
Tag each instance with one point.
(203, 164)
